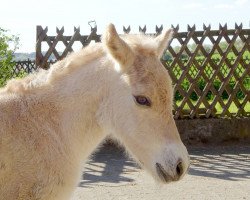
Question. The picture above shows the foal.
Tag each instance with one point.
(52, 121)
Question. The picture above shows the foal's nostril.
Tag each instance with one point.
(179, 169)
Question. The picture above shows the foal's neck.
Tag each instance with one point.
(81, 95)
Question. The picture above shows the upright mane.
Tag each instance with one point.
(141, 44)
(42, 78)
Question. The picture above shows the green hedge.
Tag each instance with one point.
(216, 84)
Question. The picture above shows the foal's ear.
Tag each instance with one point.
(117, 47)
(162, 41)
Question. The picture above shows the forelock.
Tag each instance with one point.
(141, 43)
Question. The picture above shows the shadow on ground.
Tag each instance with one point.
(110, 166)
(227, 163)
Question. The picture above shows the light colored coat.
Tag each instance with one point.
(51, 121)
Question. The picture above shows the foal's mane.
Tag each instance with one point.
(139, 43)
(43, 78)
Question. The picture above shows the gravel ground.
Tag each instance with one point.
(215, 173)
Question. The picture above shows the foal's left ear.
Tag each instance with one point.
(162, 41)
(117, 47)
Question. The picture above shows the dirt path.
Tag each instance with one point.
(216, 173)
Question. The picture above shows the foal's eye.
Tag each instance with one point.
(142, 100)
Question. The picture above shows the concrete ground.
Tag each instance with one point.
(215, 173)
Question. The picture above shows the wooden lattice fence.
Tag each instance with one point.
(42, 58)
(24, 66)
(216, 65)
(209, 81)
(17, 69)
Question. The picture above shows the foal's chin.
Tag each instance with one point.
(163, 180)
(161, 176)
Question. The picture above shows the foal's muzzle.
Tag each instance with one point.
(166, 176)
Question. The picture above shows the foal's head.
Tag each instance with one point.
(142, 113)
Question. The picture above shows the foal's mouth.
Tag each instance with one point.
(164, 176)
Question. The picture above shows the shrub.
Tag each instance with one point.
(8, 45)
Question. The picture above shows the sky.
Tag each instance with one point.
(21, 17)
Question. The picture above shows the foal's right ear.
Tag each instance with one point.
(162, 41)
(117, 47)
